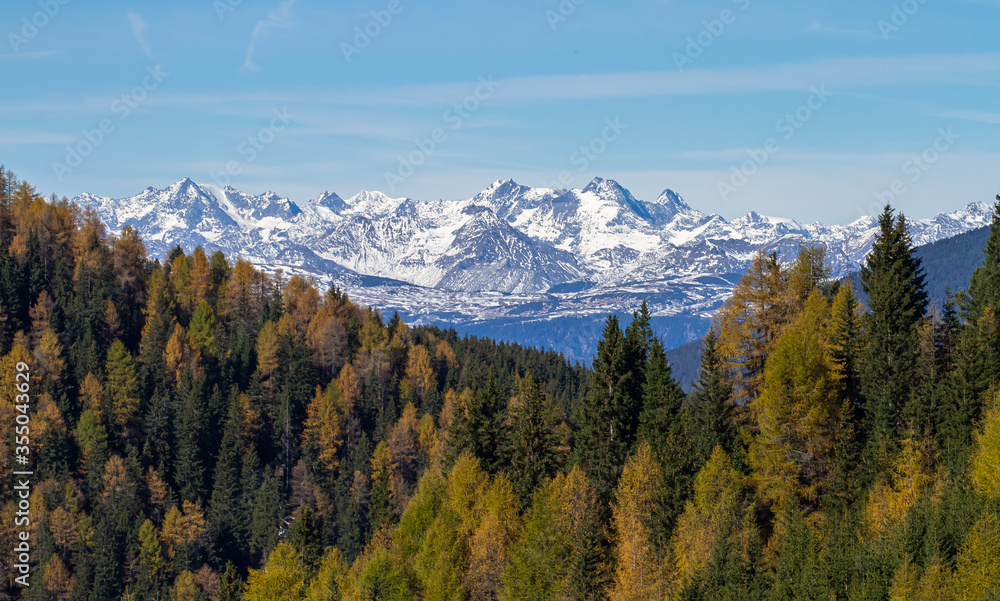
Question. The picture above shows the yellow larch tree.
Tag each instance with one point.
(324, 428)
(639, 565)
(986, 456)
(720, 508)
(796, 411)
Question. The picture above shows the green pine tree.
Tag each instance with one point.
(226, 530)
(710, 410)
(662, 425)
(894, 282)
(265, 514)
(480, 429)
(536, 439)
(846, 339)
(608, 416)
(977, 360)
(189, 468)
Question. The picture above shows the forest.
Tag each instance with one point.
(203, 430)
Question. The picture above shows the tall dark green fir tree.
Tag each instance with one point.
(709, 413)
(480, 429)
(661, 424)
(893, 279)
(535, 438)
(608, 416)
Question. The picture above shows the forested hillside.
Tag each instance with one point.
(202, 430)
(949, 263)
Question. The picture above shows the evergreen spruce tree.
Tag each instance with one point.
(190, 465)
(231, 588)
(535, 439)
(846, 340)
(225, 529)
(800, 574)
(894, 282)
(305, 540)
(662, 425)
(639, 339)
(158, 425)
(266, 514)
(608, 416)
(709, 413)
(479, 428)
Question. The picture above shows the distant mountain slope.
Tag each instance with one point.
(685, 361)
(537, 266)
(950, 262)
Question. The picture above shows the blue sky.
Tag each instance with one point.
(810, 110)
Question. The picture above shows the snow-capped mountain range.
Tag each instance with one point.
(511, 259)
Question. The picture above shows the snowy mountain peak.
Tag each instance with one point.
(256, 208)
(502, 192)
(609, 189)
(372, 200)
(672, 199)
(502, 183)
(750, 218)
(185, 186)
(329, 200)
(605, 187)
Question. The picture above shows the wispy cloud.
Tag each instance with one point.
(981, 117)
(20, 138)
(826, 30)
(30, 55)
(837, 74)
(139, 32)
(275, 20)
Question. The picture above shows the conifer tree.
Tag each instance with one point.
(549, 559)
(985, 464)
(977, 357)
(226, 529)
(305, 540)
(710, 411)
(189, 426)
(800, 573)
(122, 387)
(479, 427)
(202, 331)
(797, 411)
(846, 340)
(893, 279)
(382, 503)
(662, 426)
(152, 566)
(718, 510)
(265, 513)
(536, 438)
(280, 578)
(640, 562)
(608, 415)
(808, 271)
(749, 322)
(639, 338)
